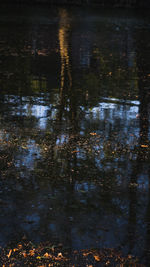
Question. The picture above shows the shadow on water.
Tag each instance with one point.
(74, 129)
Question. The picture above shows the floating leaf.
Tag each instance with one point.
(96, 257)
(46, 255)
(144, 145)
(93, 133)
(75, 151)
(9, 254)
(60, 254)
(31, 252)
(24, 254)
(129, 256)
(86, 254)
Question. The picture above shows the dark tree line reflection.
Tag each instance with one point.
(74, 138)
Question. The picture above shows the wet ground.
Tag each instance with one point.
(75, 128)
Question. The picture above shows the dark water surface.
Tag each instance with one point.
(75, 128)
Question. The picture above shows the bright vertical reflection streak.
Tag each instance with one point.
(64, 27)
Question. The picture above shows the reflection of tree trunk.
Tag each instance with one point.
(67, 95)
(144, 97)
(143, 112)
(147, 245)
(64, 51)
(143, 141)
(67, 101)
(132, 207)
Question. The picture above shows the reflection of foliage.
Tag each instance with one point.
(110, 72)
(8, 149)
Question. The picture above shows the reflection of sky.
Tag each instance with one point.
(111, 114)
(30, 152)
(121, 115)
(115, 100)
(25, 106)
(109, 109)
(122, 109)
(40, 112)
(115, 110)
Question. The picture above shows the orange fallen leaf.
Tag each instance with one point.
(31, 252)
(144, 145)
(75, 151)
(86, 254)
(24, 254)
(20, 246)
(60, 254)
(46, 255)
(96, 257)
(93, 134)
(129, 256)
(9, 254)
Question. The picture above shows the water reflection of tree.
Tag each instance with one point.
(143, 60)
(143, 156)
(77, 168)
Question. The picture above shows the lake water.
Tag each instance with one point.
(75, 127)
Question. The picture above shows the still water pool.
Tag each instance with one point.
(75, 127)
